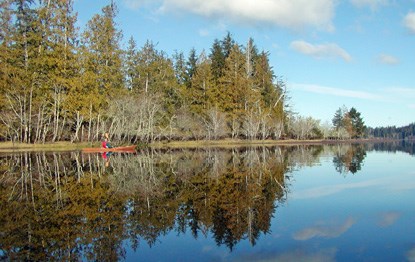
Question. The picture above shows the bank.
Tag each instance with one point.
(225, 143)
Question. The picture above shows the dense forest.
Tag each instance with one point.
(405, 132)
(59, 83)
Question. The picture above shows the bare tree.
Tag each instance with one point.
(302, 127)
(251, 124)
(215, 123)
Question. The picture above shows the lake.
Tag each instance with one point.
(343, 202)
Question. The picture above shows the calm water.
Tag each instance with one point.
(302, 203)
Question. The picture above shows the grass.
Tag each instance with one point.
(230, 143)
(224, 143)
(56, 146)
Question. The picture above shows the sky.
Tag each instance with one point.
(330, 53)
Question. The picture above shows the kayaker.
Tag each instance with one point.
(105, 142)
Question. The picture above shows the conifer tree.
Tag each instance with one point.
(180, 68)
(6, 30)
(131, 63)
(191, 67)
(357, 123)
(157, 76)
(228, 44)
(102, 54)
(201, 84)
(57, 61)
(22, 49)
(233, 93)
(251, 53)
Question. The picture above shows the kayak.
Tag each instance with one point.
(127, 149)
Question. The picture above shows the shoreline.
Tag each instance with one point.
(246, 143)
(224, 143)
(55, 146)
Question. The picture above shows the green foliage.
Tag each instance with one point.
(102, 55)
(350, 120)
(404, 132)
(57, 84)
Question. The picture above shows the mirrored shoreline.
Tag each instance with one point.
(74, 206)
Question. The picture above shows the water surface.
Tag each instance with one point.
(310, 203)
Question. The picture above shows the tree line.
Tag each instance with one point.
(59, 84)
(393, 132)
(62, 84)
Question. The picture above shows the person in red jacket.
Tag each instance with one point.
(105, 143)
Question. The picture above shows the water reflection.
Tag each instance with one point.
(349, 159)
(74, 206)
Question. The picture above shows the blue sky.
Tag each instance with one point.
(356, 53)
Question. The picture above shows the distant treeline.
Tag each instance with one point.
(405, 132)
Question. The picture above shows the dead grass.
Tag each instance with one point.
(56, 146)
(230, 143)
(224, 143)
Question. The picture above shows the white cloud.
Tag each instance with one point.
(329, 50)
(401, 92)
(292, 14)
(409, 21)
(338, 92)
(204, 32)
(373, 4)
(388, 59)
(324, 230)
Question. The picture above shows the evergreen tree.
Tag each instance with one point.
(58, 60)
(251, 52)
(180, 68)
(20, 48)
(131, 63)
(227, 45)
(191, 67)
(349, 120)
(102, 53)
(217, 58)
(201, 85)
(233, 94)
(6, 31)
(338, 117)
(357, 123)
(157, 76)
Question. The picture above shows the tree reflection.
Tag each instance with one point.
(74, 206)
(349, 158)
(51, 214)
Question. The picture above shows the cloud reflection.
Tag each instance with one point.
(326, 231)
(386, 183)
(388, 219)
(410, 255)
(328, 254)
(332, 189)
